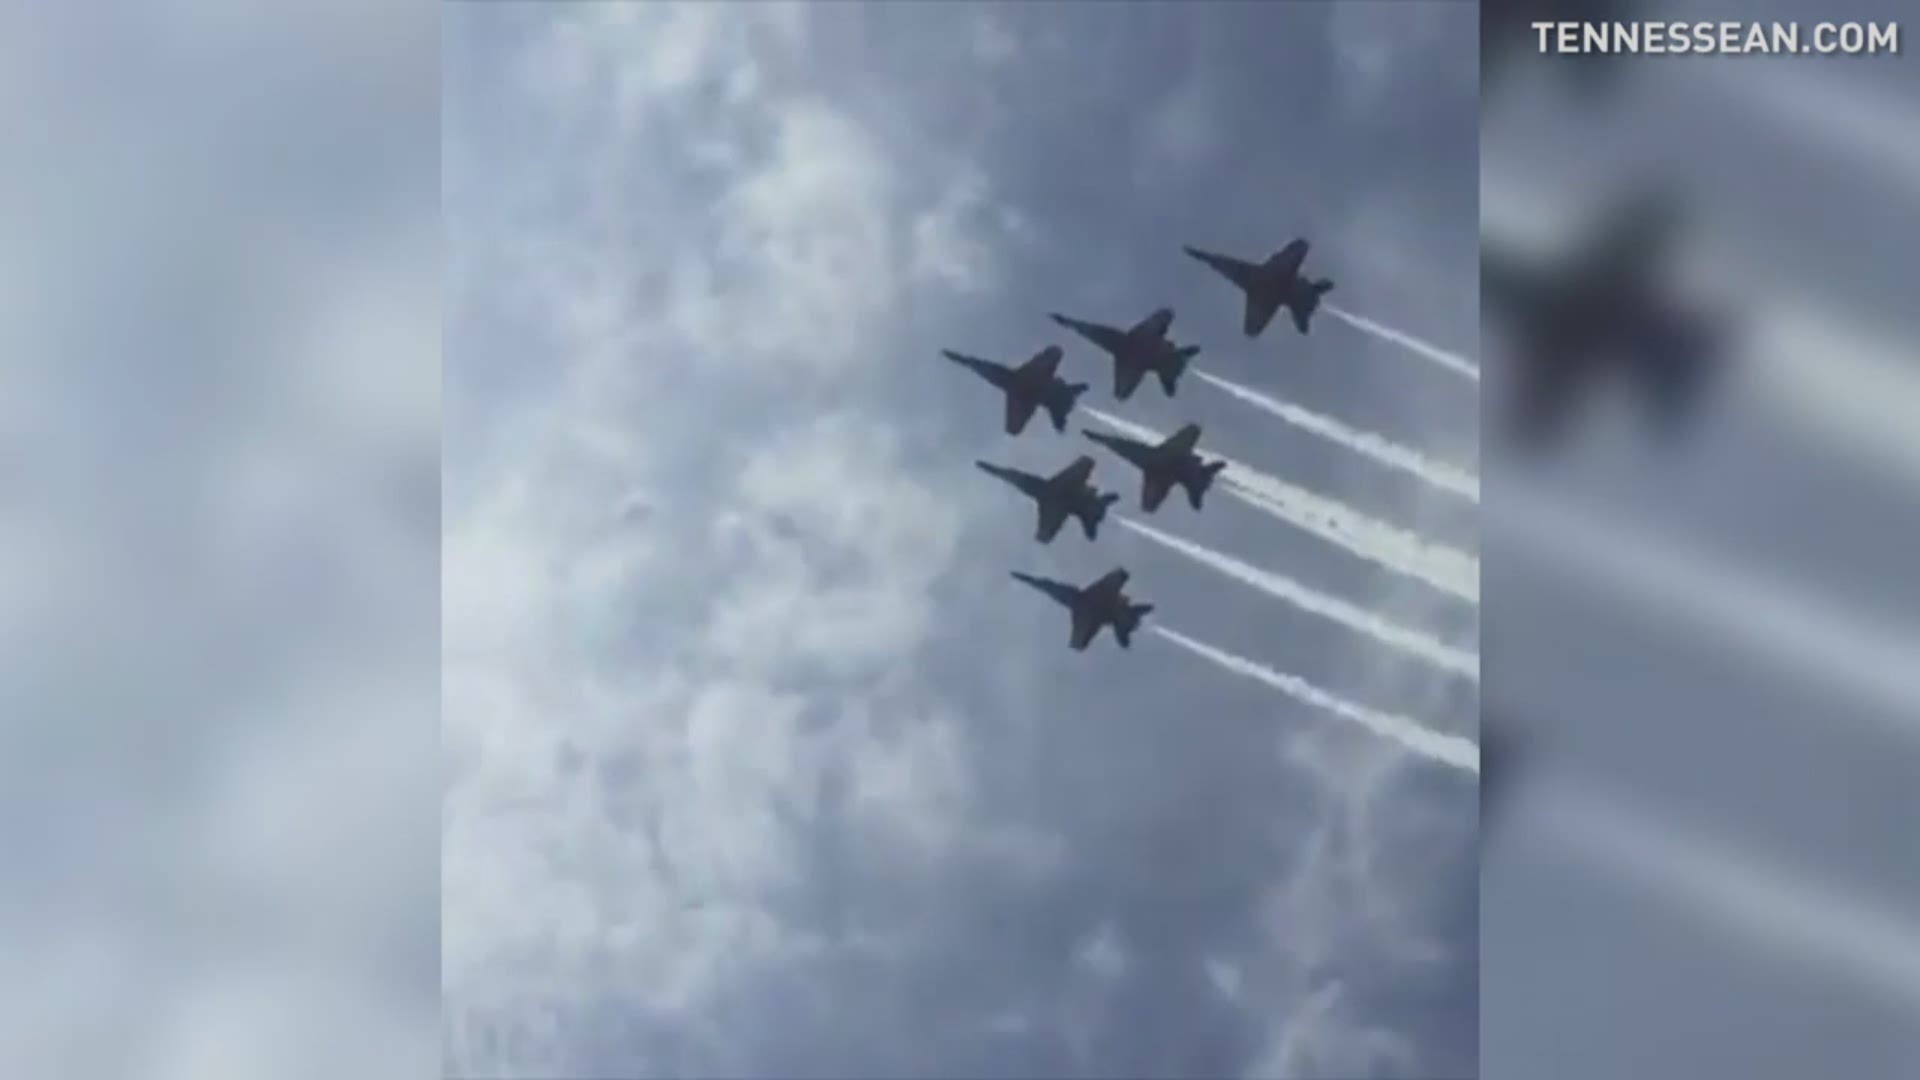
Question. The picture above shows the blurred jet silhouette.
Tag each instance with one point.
(1065, 493)
(1172, 461)
(1507, 35)
(1102, 603)
(1140, 349)
(1498, 753)
(1603, 307)
(1270, 285)
(1028, 387)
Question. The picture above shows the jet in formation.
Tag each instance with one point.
(1028, 387)
(1065, 493)
(1103, 603)
(1604, 307)
(1270, 285)
(1164, 464)
(1508, 34)
(1138, 350)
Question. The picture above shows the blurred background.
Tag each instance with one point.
(219, 603)
(1703, 674)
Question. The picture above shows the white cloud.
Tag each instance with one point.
(651, 717)
(1380, 46)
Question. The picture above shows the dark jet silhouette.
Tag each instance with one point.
(1603, 307)
(1270, 285)
(1099, 604)
(1172, 461)
(1142, 348)
(1033, 384)
(1507, 35)
(1497, 753)
(1065, 493)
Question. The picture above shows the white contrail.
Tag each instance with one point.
(1311, 600)
(1365, 443)
(1775, 909)
(1446, 749)
(1396, 549)
(1878, 665)
(1453, 362)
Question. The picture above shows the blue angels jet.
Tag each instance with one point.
(1270, 285)
(1137, 350)
(1604, 307)
(1065, 493)
(1164, 464)
(1028, 387)
(1103, 603)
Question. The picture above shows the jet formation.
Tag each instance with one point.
(1602, 308)
(1145, 348)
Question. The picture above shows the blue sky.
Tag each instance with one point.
(756, 762)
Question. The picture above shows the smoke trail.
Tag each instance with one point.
(1453, 362)
(1876, 664)
(1445, 749)
(1351, 616)
(1365, 443)
(1396, 549)
(1782, 913)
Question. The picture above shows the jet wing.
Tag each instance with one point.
(1053, 514)
(1261, 306)
(1086, 623)
(1106, 337)
(1673, 355)
(1020, 409)
(1155, 325)
(986, 369)
(1243, 274)
(1154, 487)
(1126, 378)
(1073, 476)
(1290, 257)
(1546, 385)
(1299, 314)
(1182, 442)
(1109, 585)
(1043, 365)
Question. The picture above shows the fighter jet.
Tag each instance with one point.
(1066, 492)
(1140, 349)
(1606, 306)
(1028, 387)
(1099, 604)
(1172, 461)
(1270, 285)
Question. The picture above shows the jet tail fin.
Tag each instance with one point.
(1198, 485)
(1170, 374)
(1059, 408)
(1308, 302)
(1092, 516)
(1124, 627)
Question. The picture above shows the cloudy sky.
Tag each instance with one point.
(756, 762)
